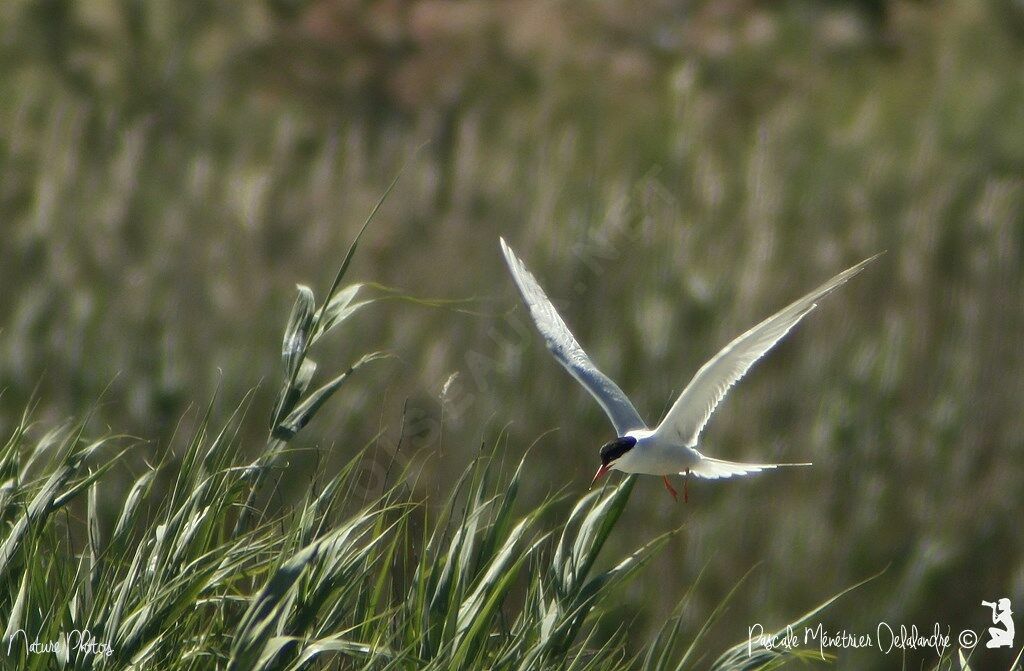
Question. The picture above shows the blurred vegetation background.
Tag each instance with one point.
(672, 172)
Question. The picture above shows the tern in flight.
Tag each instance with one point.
(671, 447)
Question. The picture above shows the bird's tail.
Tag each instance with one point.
(713, 469)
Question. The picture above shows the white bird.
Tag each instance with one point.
(672, 446)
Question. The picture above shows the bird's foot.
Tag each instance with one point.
(670, 488)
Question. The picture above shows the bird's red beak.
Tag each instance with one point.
(600, 474)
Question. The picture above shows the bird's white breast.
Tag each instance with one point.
(651, 456)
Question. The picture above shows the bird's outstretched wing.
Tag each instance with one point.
(691, 411)
(568, 352)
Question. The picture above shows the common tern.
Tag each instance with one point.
(671, 447)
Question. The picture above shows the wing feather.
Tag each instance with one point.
(568, 352)
(691, 411)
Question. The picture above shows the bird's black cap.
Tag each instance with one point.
(615, 449)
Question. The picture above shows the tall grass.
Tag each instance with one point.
(676, 173)
(195, 571)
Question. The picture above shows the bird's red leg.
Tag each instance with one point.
(686, 487)
(670, 488)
